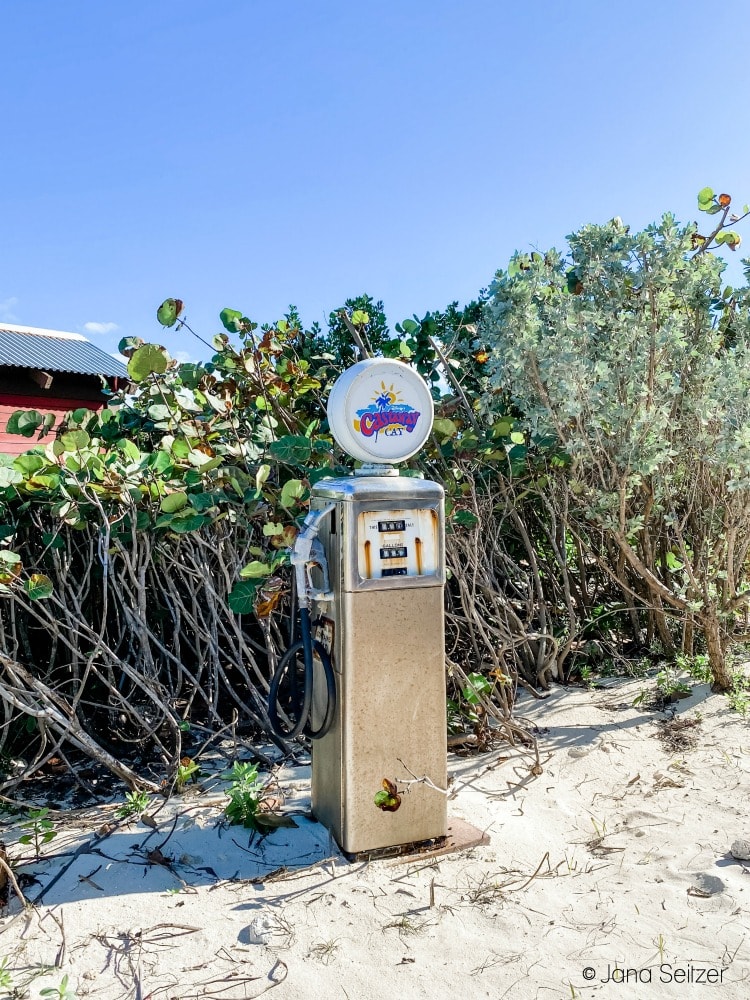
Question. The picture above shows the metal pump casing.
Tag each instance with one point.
(384, 546)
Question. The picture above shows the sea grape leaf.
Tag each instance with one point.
(148, 360)
(38, 587)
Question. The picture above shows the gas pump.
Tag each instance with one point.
(371, 687)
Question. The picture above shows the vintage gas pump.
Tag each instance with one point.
(375, 683)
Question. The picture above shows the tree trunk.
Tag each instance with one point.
(715, 647)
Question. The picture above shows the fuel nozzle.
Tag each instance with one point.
(307, 552)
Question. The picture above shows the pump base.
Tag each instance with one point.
(462, 836)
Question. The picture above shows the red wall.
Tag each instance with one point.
(15, 444)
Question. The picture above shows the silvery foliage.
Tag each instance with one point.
(626, 353)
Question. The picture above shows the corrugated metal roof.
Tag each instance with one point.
(55, 351)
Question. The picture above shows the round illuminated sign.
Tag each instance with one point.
(380, 411)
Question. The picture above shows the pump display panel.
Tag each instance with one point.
(397, 543)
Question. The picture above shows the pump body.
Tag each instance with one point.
(384, 629)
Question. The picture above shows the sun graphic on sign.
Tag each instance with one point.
(387, 396)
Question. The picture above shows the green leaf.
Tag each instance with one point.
(24, 422)
(306, 384)
(9, 558)
(502, 428)
(241, 598)
(48, 423)
(75, 440)
(38, 587)
(517, 438)
(168, 312)
(204, 462)
(264, 471)
(158, 411)
(6, 531)
(180, 449)
(386, 801)
(292, 491)
(148, 360)
(128, 345)
(182, 524)
(174, 502)
(465, 518)
(9, 477)
(231, 319)
(673, 563)
(477, 686)
(54, 541)
(205, 501)
(359, 317)
(730, 237)
(705, 198)
(161, 463)
(444, 427)
(29, 463)
(255, 570)
(293, 449)
(129, 449)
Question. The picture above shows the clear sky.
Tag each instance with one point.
(253, 154)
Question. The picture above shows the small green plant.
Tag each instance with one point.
(739, 693)
(660, 947)
(6, 980)
(587, 674)
(41, 829)
(135, 803)
(669, 686)
(696, 666)
(62, 992)
(463, 709)
(187, 770)
(245, 795)
(248, 802)
(640, 698)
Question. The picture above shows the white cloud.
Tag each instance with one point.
(6, 310)
(100, 327)
(183, 358)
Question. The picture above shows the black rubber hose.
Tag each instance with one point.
(309, 648)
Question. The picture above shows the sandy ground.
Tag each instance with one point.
(608, 875)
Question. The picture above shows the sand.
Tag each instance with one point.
(610, 874)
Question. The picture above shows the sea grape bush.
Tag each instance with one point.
(144, 548)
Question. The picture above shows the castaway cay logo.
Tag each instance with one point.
(387, 414)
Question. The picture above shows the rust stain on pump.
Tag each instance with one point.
(368, 560)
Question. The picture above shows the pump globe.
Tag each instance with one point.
(380, 411)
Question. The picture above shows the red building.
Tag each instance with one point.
(51, 372)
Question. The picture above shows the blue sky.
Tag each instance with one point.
(250, 155)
